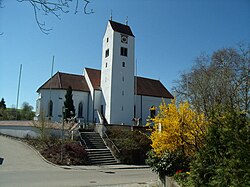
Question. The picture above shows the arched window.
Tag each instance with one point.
(123, 64)
(80, 110)
(50, 108)
(152, 111)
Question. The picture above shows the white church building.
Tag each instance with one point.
(112, 95)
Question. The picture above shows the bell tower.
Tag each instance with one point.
(117, 73)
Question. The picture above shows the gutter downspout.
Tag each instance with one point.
(93, 105)
(141, 108)
(88, 109)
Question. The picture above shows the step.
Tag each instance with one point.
(96, 146)
(97, 142)
(101, 159)
(101, 156)
(98, 153)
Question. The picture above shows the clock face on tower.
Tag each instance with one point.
(124, 39)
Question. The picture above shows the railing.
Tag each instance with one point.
(101, 119)
(82, 140)
(112, 143)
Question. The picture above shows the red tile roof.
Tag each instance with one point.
(64, 80)
(95, 78)
(145, 86)
(151, 87)
(118, 27)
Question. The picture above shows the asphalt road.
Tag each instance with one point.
(22, 166)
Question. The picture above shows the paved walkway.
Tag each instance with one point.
(22, 166)
(18, 156)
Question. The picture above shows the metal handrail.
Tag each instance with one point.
(113, 144)
(83, 140)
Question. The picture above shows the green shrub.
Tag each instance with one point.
(168, 164)
(133, 145)
(13, 114)
(225, 158)
(73, 154)
(183, 179)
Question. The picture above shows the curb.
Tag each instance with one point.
(32, 148)
(106, 167)
(78, 167)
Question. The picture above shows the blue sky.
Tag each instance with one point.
(169, 35)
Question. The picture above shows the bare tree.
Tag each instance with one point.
(53, 7)
(44, 127)
(221, 80)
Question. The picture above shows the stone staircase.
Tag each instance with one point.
(98, 152)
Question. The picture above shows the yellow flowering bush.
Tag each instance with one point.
(178, 128)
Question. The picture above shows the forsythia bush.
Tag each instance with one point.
(178, 129)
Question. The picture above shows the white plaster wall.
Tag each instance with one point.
(58, 97)
(81, 97)
(122, 105)
(118, 95)
(88, 82)
(97, 104)
(38, 104)
(144, 103)
(106, 71)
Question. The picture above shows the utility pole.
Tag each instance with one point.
(18, 89)
(52, 67)
(62, 133)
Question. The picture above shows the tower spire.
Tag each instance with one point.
(111, 16)
(126, 22)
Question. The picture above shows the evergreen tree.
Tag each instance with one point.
(2, 104)
(69, 104)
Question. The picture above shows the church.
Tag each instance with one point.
(112, 95)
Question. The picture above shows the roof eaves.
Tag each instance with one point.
(119, 27)
(148, 95)
(46, 82)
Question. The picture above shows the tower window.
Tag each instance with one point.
(107, 40)
(124, 51)
(107, 53)
(122, 108)
(106, 65)
(122, 92)
(123, 79)
(123, 64)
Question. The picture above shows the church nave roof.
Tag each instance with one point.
(64, 80)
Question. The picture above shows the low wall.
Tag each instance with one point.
(24, 131)
(19, 131)
(167, 182)
(126, 127)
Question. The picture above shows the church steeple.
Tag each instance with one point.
(126, 22)
(117, 77)
(111, 16)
